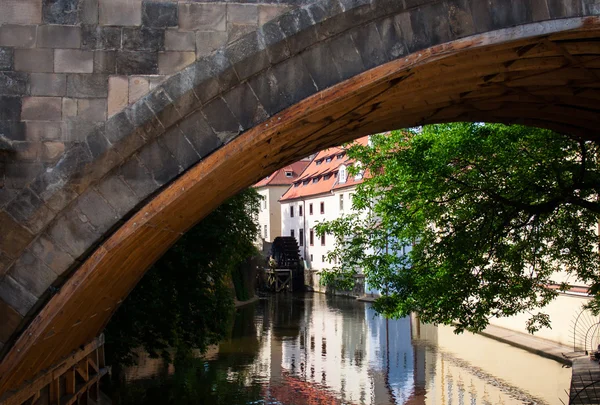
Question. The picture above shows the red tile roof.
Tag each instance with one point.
(321, 176)
(279, 177)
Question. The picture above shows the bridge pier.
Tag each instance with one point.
(75, 380)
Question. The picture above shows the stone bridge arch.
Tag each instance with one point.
(77, 236)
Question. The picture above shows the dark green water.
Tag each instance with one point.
(316, 349)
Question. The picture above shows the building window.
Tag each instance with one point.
(322, 208)
(288, 174)
(311, 257)
(343, 174)
(300, 211)
(292, 234)
(292, 211)
(310, 210)
(342, 202)
(264, 202)
(316, 179)
(301, 237)
(318, 162)
(265, 232)
(323, 240)
(311, 239)
(323, 258)
(328, 159)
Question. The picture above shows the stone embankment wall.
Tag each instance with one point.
(66, 66)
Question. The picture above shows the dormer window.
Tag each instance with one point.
(328, 159)
(340, 155)
(360, 173)
(288, 174)
(315, 179)
(327, 177)
(305, 182)
(343, 174)
(318, 162)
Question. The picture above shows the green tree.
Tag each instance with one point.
(184, 301)
(491, 212)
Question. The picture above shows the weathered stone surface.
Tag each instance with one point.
(51, 254)
(73, 233)
(138, 86)
(160, 162)
(9, 321)
(319, 62)
(97, 143)
(242, 14)
(60, 11)
(204, 17)
(298, 28)
(29, 210)
(32, 274)
(10, 108)
(220, 118)
(143, 39)
(20, 11)
(96, 210)
(161, 14)
(52, 151)
(105, 62)
(43, 131)
(6, 59)
(137, 63)
(13, 83)
(13, 238)
(180, 148)
(118, 194)
(42, 109)
(15, 295)
(173, 62)
(346, 56)
(294, 79)
(117, 12)
(275, 41)
(269, 12)
(95, 37)
(391, 38)
(180, 40)
(48, 84)
(18, 174)
(248, 55)
(73, 61)
(69, 108)
(118, 94)
(369, 46)
(58, 36)
(34, 60)
(209, 41)
(245, 106)
(88, 11)
(92, 109)
(13, 130)
(138, 178)
(236, 31)
(21, 36)
(87, 86)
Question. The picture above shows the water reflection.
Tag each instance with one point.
(316, 349)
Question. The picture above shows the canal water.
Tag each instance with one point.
(314, 349)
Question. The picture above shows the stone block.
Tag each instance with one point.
(242, 13)
(461, 18)
(9, 321)
(118, 194)
(13, 83)
(26, 151)
(506, 14)
(275, 41)
(60, 11)
(87, 86)
(137, 63)
(77, 130)
(180, 148)
(15, 295)
(221, 119)
(245, 106)
(43, 131)
(6, 59)
(18, 174)
(173, 62)
(299, 29)
(248, 55)
(268, 12)
(203, 16)
(346, 56)
(73, 61)
(34, 60)
(105, 62)
(32, 273)
(143, 39)
(392, 38)
(92, 109)
(159, 161)
(73, 233)
(209, 41)
(425, 26)
(118, 94)
(10, 108)
(69, 108)
(369, 46)
(236, 31)
(13, 238)
(138, 87)
(564, 8)
(293, 80)
(319, 62)
(48, 84)
(52, 151)
(180, 40)
(29, 210)
(97, 210)
(267, 90)
(88, 11)
(120, 13)
(160, 14)
(58, 36)
(51, 254)
(20, 12)
(97, 143)
(41, 109)
(138, 178)
(20, 36)
(13, 130)
(100, 38)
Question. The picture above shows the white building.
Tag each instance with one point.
(271, 188)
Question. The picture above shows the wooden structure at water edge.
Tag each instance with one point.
(76, 380)
(287, 272)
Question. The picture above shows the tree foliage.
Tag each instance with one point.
(184, 300)
(491, 212)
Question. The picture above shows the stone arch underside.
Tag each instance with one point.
(84, 232)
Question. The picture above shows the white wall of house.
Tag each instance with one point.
(269, 215)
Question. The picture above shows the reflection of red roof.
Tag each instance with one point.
(280, 178)
(321, 176)
(296, 391)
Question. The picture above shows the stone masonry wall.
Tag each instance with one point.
(68, 65)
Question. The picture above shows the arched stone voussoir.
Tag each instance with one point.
(335, 68)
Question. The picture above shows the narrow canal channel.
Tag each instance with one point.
(316, 349)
